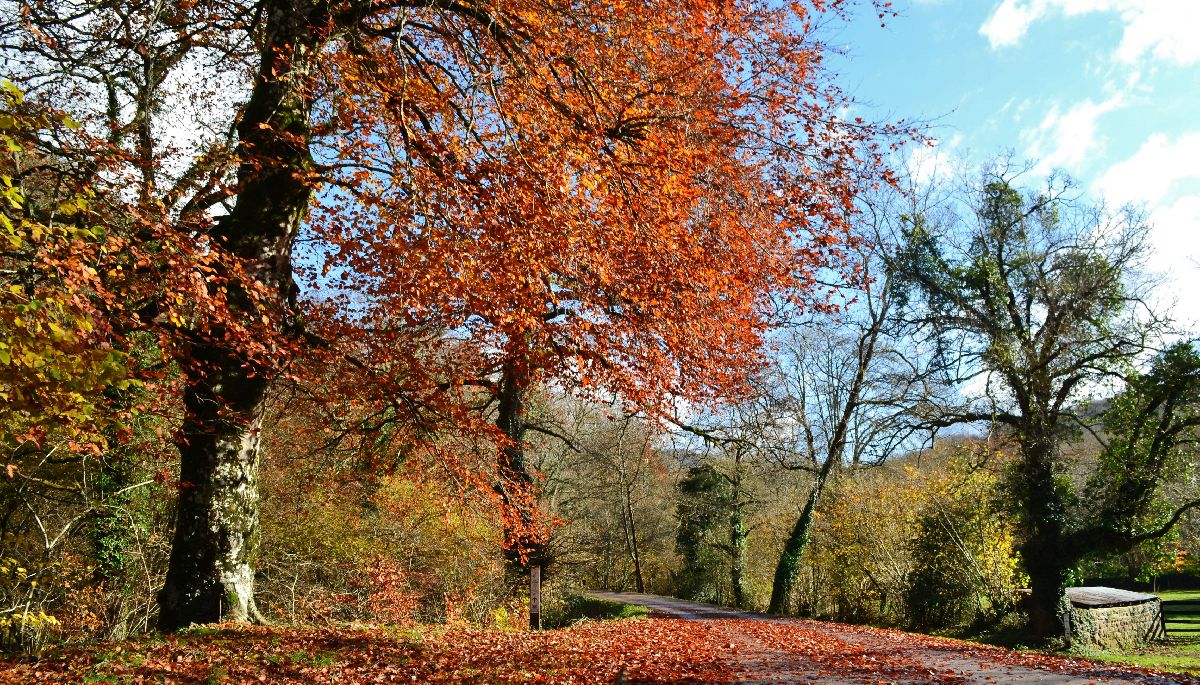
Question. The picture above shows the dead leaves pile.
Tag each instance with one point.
(645, 650)
(640, 651)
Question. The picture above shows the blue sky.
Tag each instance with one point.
(1106, 90)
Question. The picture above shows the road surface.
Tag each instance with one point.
(769, 649)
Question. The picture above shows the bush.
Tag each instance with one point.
(923, 546)
(25, 626)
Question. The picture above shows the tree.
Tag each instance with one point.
(1149, 439)
(506, 193)
(835, 397)
(847, 385)
(54, 375)
(603, 476)
(706, 505)
(1036, 302)
(598, 267)
(218, 279)
(829, 386)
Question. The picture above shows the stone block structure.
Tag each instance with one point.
(1108, 618)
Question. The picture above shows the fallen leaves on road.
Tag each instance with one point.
(642, 651)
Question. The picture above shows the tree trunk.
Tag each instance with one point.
(515, 482)
(535, 597)
(737, 552)
(1045, 552)
(1048, 580)
(112, 533)
(634, 552)
(515, 486)
(789, 561)
(211, 572)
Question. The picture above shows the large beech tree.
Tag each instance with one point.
(488, 193)
(671, 177)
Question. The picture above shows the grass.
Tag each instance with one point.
(1177, 614)
(1181, 651)
(1176, 654)
(576, 608)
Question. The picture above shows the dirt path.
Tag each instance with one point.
(777, 650)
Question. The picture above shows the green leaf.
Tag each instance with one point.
(13, 91)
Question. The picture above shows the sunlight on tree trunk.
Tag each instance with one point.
(211, 572)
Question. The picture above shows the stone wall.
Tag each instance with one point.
(1116, 627)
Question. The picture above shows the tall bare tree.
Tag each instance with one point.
(846, 386)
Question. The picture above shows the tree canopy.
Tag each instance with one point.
(448, 198)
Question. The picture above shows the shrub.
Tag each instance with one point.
(906, 544)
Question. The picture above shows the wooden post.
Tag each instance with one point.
(535, 597)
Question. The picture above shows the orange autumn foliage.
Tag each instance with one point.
(619, 198)
(616, 197)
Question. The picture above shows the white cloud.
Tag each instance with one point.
(1164, 175)
(1163, 28)
(936, 162)
(1010, 21)
(1065, 139)
(1154, 171)
(1175, 230)
(1176, 257)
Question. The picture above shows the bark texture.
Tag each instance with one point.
(211, 573)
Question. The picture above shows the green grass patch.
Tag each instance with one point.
(575, 608)
(1174, 655)
(1181, 609)
(1176, 595)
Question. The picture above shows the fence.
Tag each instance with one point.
(1181, 618)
